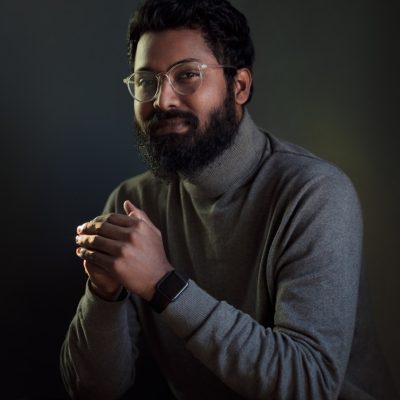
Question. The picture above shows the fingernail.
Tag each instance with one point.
(77, 239)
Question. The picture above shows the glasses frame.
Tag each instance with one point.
(202, 67)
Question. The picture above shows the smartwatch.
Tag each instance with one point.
(168, 289)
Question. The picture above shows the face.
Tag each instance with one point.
(183, 133)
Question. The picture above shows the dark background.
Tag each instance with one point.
(325, 78)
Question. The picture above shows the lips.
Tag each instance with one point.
(170, 125)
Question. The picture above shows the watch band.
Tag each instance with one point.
(168, 289)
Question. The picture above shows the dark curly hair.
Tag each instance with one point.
(224, 28)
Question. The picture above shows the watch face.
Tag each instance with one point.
(172, 286)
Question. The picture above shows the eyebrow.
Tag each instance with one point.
(145, 68)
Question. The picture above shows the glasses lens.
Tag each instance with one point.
(143, 85)
(186, 78)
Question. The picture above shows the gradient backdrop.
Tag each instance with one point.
(326, 77)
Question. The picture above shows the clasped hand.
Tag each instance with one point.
(122, 251)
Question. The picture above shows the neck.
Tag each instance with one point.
(233, 166)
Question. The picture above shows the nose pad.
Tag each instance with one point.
(166, 97)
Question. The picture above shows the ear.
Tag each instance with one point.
(243, 81)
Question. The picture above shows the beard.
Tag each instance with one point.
(189, 153)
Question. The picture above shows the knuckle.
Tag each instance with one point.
(140, 224)
(87, 255)
(92, 240)
(124, 250)
(144, 214)
(97, 227)
(96, 224)
(117, 265)
(98, 218)
(131, 236)
(108, 217)
(82, 253)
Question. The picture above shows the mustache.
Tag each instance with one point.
(160, 116)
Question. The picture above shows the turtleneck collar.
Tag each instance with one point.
(236, 163)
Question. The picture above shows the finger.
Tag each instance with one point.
(94, 242)
(99, 243)
(128, 207)
(106, 225)
(98, 220)
(103, 261)
(135, 212)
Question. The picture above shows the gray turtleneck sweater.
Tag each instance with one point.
(271, 239)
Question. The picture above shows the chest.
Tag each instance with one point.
(223, 247)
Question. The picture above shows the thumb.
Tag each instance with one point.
(129, 208)
(135, 212)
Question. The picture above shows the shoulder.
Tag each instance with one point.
(294, 179)
(294, 164)
(312, 199)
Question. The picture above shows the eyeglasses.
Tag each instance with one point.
(185, 78)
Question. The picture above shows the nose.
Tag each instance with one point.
(166, 98)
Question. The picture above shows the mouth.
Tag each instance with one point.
(171, 126)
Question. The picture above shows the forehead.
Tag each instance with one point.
(159, 50)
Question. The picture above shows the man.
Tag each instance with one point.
(235, 263)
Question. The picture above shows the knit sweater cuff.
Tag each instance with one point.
(186, 315)
(100, 314)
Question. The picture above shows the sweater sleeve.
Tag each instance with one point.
(312, 273)
(100, 349)
(98, 356)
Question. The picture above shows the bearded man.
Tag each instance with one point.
(231, 269)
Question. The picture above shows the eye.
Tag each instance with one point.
(187, 75)
(145, 82)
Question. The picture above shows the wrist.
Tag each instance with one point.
(104, 295)
(168, 289)
(151, 288)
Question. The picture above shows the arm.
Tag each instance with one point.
(100, 349)
(312, 272)
(99, 352)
